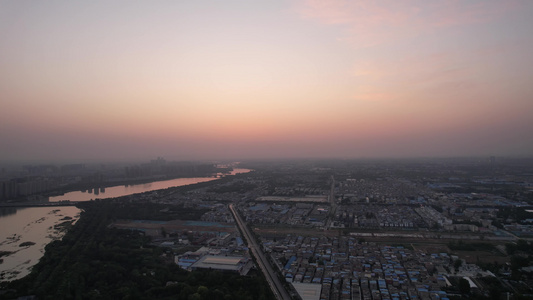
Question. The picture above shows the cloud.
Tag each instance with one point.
(373, 96)
(386, 79)
(455, 13)
(371, 23)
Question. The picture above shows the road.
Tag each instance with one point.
(38, 204)
(273, 280)
(332, 197)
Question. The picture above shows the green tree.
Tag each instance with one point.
(203, 291)
(195, 296)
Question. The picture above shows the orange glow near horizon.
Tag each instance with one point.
(300, 78)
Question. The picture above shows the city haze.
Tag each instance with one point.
(276, 79)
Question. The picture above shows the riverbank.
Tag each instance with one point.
(102, 191)
(25, 233)
(119, 182)
(59, 195)
(124, 190)
(220, 172)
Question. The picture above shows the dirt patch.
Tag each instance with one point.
(473, 257)
(175, 226)
(431, 247)
(283, 231)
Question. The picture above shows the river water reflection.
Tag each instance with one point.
(124, 190)
(24, 232)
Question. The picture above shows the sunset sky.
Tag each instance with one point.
(121, 80)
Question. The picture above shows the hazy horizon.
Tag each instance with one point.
(16, 164)
(211, 80)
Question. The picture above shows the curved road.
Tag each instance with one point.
(275, 284)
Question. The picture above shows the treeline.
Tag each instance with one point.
(154, 211)
(94, 261)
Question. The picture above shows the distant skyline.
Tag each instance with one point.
(195, 80)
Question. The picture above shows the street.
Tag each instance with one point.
(275, 284)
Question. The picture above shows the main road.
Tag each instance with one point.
(273, 280)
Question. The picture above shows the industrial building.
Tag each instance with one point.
(237, 264)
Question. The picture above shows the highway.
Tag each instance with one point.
(273, 280)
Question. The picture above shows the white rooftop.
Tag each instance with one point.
(308, 291)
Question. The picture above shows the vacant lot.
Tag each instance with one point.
(153, 228)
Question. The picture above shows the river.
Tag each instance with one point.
(124, 190)
(38, 225)
(24, 232)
